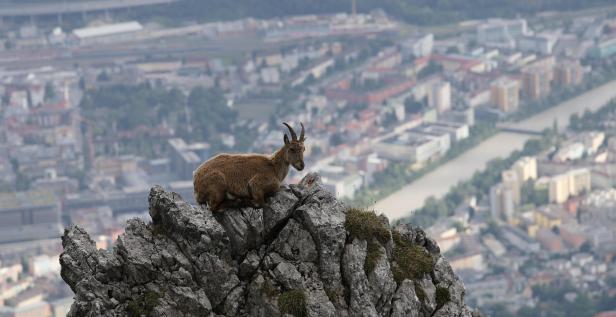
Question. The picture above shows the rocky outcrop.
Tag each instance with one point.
(305, 254)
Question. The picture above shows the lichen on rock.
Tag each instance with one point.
(304, 254)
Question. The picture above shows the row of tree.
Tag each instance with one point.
(413, 11)
(593, 120)
(199, 116)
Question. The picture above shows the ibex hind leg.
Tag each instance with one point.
(215, 190)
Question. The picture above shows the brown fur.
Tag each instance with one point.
(251, 177)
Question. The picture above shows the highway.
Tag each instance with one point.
(437, 183)
(63, 7)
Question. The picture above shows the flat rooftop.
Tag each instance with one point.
(30, 199)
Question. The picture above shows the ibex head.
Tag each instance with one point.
(294, 149)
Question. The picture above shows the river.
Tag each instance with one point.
(437, 183)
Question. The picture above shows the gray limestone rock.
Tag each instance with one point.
(246, 261)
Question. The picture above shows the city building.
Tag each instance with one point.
(502, 202)
(559, 189)
(108, 33)
(505, 94)
(547, 217)
(501, 31)
(418, 46)
(568, 73)
(511, 180)
(536, 82)
(542, 44)
(30, 215)
(603, 49)
(579, 181)
(440, 96)
(414, 147)
(526, 168)
(571, 183)
(549, 240)
(457, 131)
(185, 158)
(337, 181)
(473, 261)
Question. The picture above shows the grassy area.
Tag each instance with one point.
(292, 302)
(143, 304)
(365, 225)
(410, 260)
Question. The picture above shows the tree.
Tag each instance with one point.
(431, 68)
(336, 139)
(209, 112)
(452, 50)
(574, 121)
(412, 106)
(103, 76)
(50, 91)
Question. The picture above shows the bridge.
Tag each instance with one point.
(516, 128)
(16, 9)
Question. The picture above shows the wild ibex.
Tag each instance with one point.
(247, 176)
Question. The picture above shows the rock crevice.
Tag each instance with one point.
(299, 255)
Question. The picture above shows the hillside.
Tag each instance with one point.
(305, 254)
(420, 12)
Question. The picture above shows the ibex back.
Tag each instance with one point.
(247, 176)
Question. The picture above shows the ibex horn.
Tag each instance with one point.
(293, 135)
(301, 135)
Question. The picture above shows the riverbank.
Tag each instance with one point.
(437, 182)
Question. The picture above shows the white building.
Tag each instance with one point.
(439, 96)
(418, 46)
(542, 44)
(526, 168)
(108, 33)
(501, 31)
(457, 131)
(502, 203)
(270, 75)
(344, 186)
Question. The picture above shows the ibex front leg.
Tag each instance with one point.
(262, 186)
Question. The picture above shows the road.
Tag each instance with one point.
(437, 183)
(62, 7)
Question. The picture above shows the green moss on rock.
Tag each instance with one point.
(157, 230)
(333, 297)
(421, 294)
(410, 260)
(292, 302)
(268, 289)
(442, 296)
(143, 304)
(364, 225)
(373, 254)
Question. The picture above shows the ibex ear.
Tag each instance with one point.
(286, 140)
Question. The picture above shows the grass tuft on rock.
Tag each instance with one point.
(157, 230)
(373, 254)
(331, 294)
(442, 296)
(143, 304)
(292, 302)
(364, 225)
(268, 289)
(421, 294)
(411, 260)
